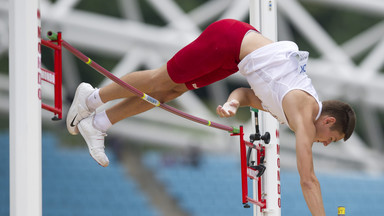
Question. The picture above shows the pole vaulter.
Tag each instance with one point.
(274, 70)
(247, 170)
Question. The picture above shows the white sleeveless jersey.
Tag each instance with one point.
(274, 70)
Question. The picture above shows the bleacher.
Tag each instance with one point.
(4, 174)
(75, 185)
(360, 193)
(214, 188)
(211, 188)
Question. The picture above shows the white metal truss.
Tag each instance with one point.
(139, 44)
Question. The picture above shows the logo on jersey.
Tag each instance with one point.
(302, 60)
(303, 68)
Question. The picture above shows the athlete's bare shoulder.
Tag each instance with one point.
(251, 42)
(300, 108)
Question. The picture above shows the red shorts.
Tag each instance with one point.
(213, 56)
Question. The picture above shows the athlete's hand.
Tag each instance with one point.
(229, 109)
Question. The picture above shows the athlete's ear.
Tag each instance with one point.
(329, 120)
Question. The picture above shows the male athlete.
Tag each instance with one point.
(276, 73)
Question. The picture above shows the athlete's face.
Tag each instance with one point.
(324, 133)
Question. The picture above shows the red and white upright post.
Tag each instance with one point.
(263, 16)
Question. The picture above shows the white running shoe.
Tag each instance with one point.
(94, 139)
(79, 109)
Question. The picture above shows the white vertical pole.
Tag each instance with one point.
(263, 15)
(25, 109)
(255, 14)
(271, 178)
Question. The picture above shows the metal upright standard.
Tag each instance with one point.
(54, 77)
(250, 169)
(263, 16)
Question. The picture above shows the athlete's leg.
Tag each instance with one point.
(156, 83)
(149, 82)
(135, 105)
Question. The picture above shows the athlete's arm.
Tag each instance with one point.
(238, 98)
(301, 110)
(309, 184)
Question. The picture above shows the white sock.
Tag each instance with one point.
(101, 121)
(94, 100)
